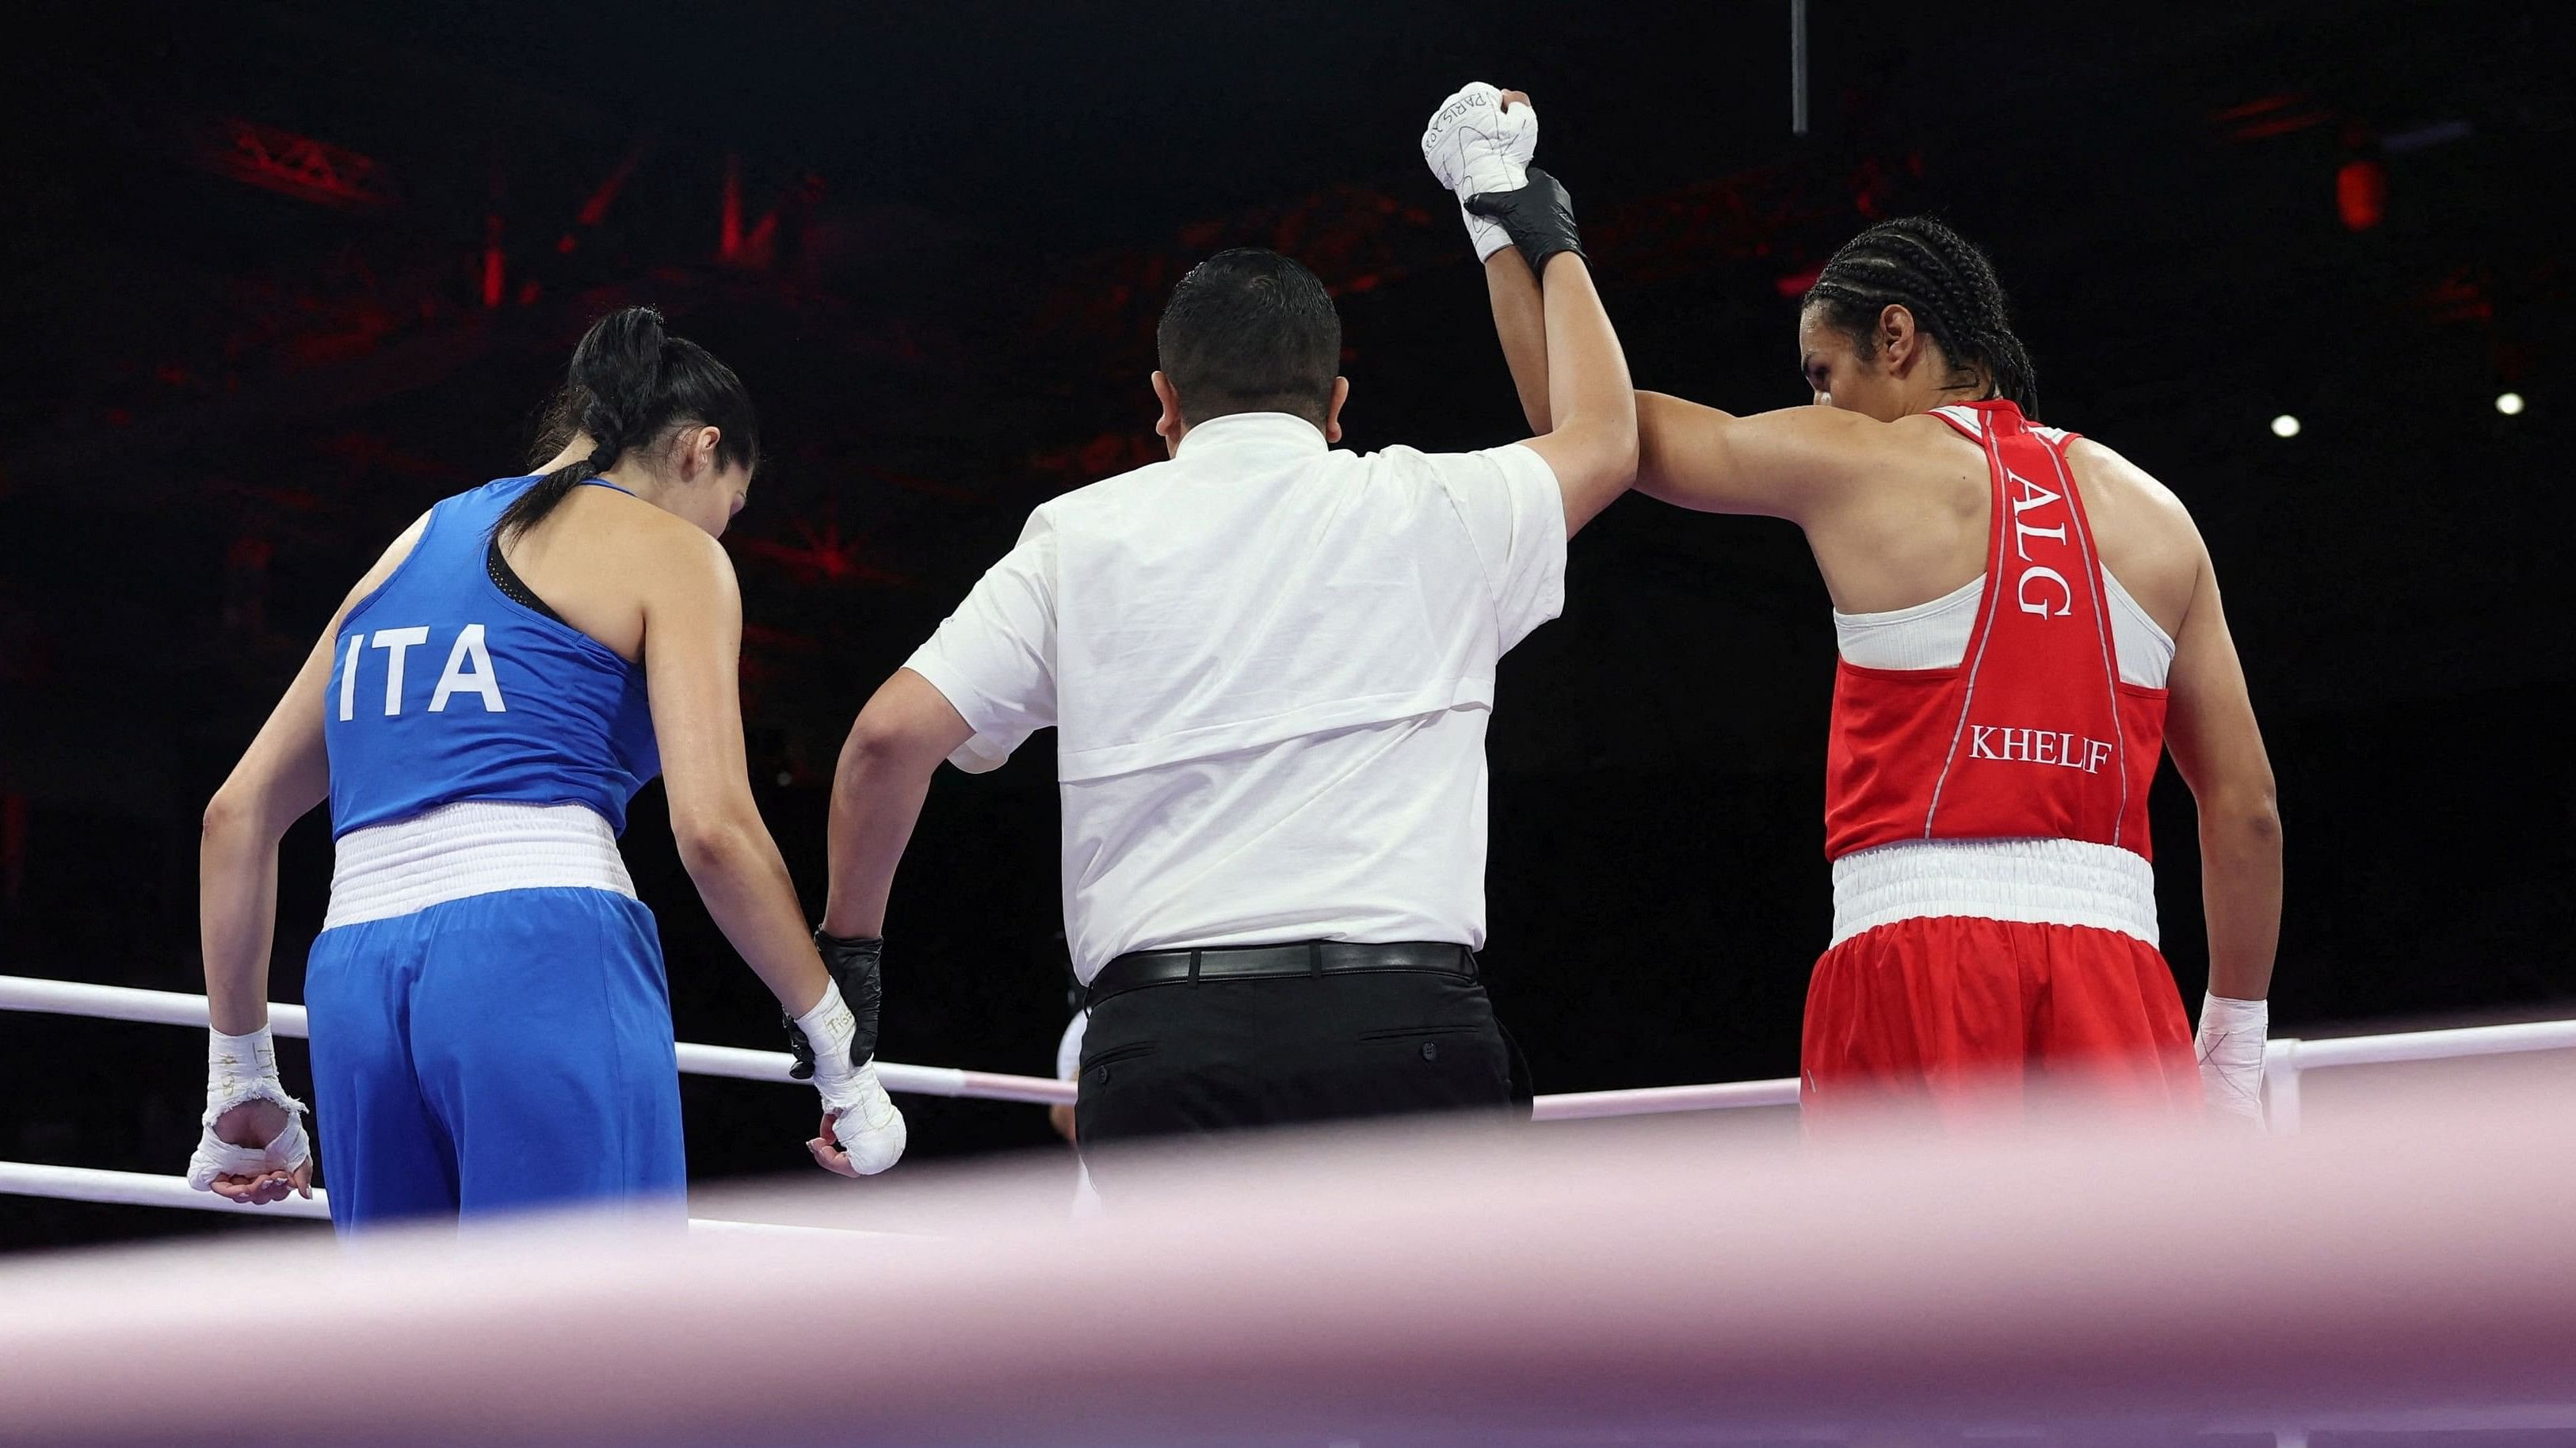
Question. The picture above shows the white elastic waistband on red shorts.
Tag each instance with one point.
(2046, 882)
(473, 848)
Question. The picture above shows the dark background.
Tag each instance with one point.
(933, 240)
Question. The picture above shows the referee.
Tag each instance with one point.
(1269, 664)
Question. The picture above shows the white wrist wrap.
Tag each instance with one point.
(865, 1121)
(2230, 1047)
(240, 1070)
(1472, 144)
(830, 1029)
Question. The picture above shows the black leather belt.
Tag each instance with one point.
(1255, 962)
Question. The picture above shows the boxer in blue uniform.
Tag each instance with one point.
(490, 1022)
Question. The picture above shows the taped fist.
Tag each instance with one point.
(835, 1047)
(1481, 139)
(251, 1144)
(2230, 1046)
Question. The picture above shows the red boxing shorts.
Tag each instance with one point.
(1964, 1020)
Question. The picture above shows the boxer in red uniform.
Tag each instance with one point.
(2027, 621)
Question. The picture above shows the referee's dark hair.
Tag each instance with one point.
(1249, 330)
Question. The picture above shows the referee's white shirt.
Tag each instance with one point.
(1269, 666)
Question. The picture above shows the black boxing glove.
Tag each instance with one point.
(1539, 217)
(855, 964)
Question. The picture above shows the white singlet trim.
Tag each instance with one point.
(1935, 635)
(2045, 882)
(472, 848)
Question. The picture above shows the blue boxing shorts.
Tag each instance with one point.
(497, 1052)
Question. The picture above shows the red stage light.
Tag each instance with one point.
(2361, 194)
(296, 165)
(729, 234)
(494, 274)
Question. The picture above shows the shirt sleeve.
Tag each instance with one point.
(994, 658)
(1068, 1048)
(1515, 516)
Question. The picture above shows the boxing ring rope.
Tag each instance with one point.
(141, 1189)
(2284, 1059)
(171, 1008)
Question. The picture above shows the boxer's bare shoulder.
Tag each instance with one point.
(1909, 523)
(2146, 535)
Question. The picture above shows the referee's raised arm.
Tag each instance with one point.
(1565, 358)
(1593, 446)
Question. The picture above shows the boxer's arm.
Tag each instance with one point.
(1520, 323)
(2217, 745)
(253, 1147)
(283, 775)
(693, 677)
(907, 728)
(1784, 464)
(1794, 463)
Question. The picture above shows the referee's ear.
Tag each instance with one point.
(1170, 427)
(1333, 409)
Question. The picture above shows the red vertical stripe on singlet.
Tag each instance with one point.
(2101, 624)
(1984, 437)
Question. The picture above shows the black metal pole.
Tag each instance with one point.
(1798, 67)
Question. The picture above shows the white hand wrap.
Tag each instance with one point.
(2232, 1037)
(1472, 144)
(865, 1121)
(240, 1070)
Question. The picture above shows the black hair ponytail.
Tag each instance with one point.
(1949, 286)
(630, 384)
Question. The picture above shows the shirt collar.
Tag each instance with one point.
(1283, 431)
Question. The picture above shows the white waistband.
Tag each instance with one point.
(473, 848)
(2047, 882)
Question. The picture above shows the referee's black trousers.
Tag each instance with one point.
(1219, 1054)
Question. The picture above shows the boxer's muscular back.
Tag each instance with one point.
(1910, 523)
(1897, 514)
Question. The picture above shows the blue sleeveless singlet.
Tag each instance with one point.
(444, 688)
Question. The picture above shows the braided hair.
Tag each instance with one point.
(629, 385)
(1949, 286)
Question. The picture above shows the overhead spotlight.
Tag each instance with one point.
(2509, 403)
(2285, 426)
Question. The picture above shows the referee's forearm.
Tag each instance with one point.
(876, 799)
(1589, 394)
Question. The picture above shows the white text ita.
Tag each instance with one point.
(468, 670)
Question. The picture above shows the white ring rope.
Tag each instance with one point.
(141, 1189)
(2286, 1058)
(172, 1008)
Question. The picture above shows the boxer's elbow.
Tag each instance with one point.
(2248, 815)
(233, 817)
(222, 818)
(715, 844)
